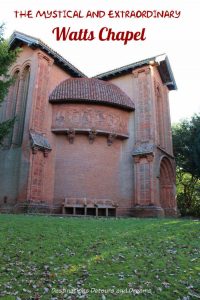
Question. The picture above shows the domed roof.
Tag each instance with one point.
(84, 90)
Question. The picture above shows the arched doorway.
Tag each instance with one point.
(167, 187)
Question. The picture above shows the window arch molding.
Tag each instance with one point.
(167, 184)
(21, 105)
(10, 103)
(160, 115)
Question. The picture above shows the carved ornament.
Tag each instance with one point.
(71, 135)
(39, 143)
(111, 138)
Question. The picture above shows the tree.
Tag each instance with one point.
(186, 142)
(7, 58)
(188, 194)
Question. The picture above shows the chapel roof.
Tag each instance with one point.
(17, 39)
(161, 61)
(90, 90)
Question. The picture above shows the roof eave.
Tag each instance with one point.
(123, 70)
(17, 39)
(166, 74)
(163, 67)
(93, 102)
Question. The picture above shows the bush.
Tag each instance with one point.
(188, 194)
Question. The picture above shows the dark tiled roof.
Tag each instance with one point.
(163, 67)
(39, 140)
(17, 39)
(90, 90)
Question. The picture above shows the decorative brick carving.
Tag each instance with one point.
(160, 116)
(46, 153)
(89, 118)
(71, 135)
(143, 149)
(144, 111)
(34, 150)
(167, 184)
(136, 159)
(135, 74)
(40, 96)
(43, 56)
(92, 135)
(147, 70)
(111, 138)
(157, 89)
(37, 177)
(150, 157)
(145, 181)
(39, 142)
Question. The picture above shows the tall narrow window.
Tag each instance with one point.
(9, 109)
(21, 108)
(160, 118)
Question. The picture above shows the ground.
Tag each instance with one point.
(43, 257)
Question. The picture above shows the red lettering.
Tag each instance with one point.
(66, 34)
(61, 33)
(107, 34)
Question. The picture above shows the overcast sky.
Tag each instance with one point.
(179, 38)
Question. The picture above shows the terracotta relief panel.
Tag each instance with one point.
(84, 117)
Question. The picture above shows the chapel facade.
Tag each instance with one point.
(97, 146)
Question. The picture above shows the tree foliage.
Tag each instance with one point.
(7, 58)
(186, 142)
(188, 194)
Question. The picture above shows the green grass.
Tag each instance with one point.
(46, 257)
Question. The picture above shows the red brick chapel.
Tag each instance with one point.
(98, 146)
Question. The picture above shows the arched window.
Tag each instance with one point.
(21, 108)
(9, 106)
(167, 185)
(160, 117)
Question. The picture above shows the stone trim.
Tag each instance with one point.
(143, 149)
(92, 134)
(39, 142)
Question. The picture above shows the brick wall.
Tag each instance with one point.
(94, 170)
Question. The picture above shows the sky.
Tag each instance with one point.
(178, 37)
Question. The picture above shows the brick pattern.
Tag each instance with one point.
(167, 124)
(21, 106)
(160, 118)
(145, 196)
(37, 175)
(163, 123)
(91, 90)
(39, 158)
(87, 170)
(152, 129)
(143, 179)
(144, 108)
(84, 116)
(166, 185)
(41, 93)
(89, 158)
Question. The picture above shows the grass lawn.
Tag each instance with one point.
(44, 257)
